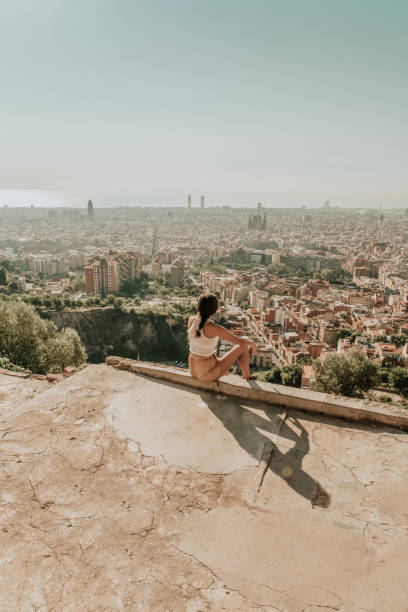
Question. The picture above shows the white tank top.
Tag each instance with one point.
(200, 345)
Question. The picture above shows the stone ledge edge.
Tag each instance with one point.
(289, 397)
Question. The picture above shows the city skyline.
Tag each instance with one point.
(16, 198)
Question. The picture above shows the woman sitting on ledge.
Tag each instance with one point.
(203, 337)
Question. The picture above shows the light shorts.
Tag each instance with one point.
(205, 369)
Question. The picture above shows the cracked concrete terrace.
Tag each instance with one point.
(122, 492)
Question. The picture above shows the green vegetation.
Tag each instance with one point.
(381, 338)
(78, 282)
(399, 339)
(343, 332)
(292, 375)
(350, 374)
(384, 375)
(7, 365)
(274, 375)
(10, 266)
(3, 276)
(386, 399)
(150, 334)
(399, 379)
(335, 276)
(289, 375)
(286, 271)
(34, 344)
(138, 286)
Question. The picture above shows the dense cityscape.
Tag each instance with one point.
(303, 284)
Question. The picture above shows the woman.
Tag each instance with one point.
(203, 337)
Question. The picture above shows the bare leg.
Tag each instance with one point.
(244, 364)
(239, 353)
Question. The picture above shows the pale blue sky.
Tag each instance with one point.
(130, 102)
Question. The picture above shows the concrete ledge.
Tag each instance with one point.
(290, 397)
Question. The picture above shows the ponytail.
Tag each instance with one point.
(207, 306)
(203, 321)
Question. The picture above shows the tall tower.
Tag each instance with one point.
(259, 205)
(90, 210)
(202, 202)
(189, 201)
(155, 246)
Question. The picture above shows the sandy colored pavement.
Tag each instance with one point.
(119, 492)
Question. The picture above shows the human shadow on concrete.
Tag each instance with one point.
(244, 425)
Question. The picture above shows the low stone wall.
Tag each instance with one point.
(290, 397)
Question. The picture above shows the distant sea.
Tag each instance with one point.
(37, 197)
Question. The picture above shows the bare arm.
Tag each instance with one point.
(212, 330)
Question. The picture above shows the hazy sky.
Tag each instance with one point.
(129, 102)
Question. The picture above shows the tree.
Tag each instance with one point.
(292, 375)
(384, 375)
(399, 379)
(274, 375)
(64, 349)
(328, 275)
(33, 343)
(304, 360)
(58, 304)
(3, 276)
(399, 339)
(343, 332)
(78, 283)
(118, 304)
(350, 374)
(381, 338)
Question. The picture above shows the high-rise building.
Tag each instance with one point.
(110, 273)
(189, 201)
(90, 209)
(102, 276)
(202, 202)
(259, 205)
(155, 245)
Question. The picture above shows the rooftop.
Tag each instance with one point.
(125, 492)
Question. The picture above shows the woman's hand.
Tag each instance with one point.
(252, 347)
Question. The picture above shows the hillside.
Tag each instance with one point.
(106, 331)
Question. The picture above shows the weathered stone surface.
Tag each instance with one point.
(278, 395)
(120, 492)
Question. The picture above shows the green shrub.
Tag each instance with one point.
(385, 398)
(34, 343)
(292, 375)
(349, 374)
(399, 339)
(399, 379)
(384, 375)
(274, 375)
(7, 365)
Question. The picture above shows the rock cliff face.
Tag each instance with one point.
(151, 336)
